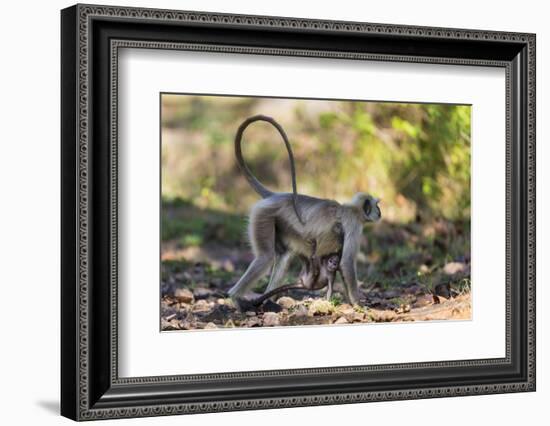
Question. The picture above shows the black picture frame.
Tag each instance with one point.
(90, 386)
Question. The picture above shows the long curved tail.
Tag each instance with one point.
(252, 180)
(261, 299)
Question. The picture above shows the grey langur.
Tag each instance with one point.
(283, 226)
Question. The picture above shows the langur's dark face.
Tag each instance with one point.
(371, 209)
(333, 262)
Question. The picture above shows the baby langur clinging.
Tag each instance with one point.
(320, 272)
(317, 273)
(283, 226)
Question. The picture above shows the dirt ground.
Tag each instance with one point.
(407, 272)
(194, 296)
(205, 310)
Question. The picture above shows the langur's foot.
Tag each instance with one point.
(243, 305)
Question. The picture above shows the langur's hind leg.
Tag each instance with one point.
(280, 268)
(256, 270)
(262, 239)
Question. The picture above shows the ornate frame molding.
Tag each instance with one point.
(81, 17)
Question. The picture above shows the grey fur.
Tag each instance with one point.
(277, 235)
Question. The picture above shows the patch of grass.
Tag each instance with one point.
(191, 240)
(192, 226)
(360, 309)
(464, 286)
(175, 202)
(261, 285)
(219, 273)
(179, 228)
(336, 300)
(227, 228)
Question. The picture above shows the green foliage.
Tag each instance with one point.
(436, 172)
(190, 226)
(415, 157)
(193, 226)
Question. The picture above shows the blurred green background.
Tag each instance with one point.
(415, 157)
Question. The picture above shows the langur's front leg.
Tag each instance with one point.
(348, 267)
(349, 276)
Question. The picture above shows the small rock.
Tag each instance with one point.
(210, 326)
(202, 293)
(299, 311)
(253, 322)
(184, 295)
(286, 302)
(346, 310)
(220, 301)
(358, 317)
(403, 309)
(228, 266)
(271, 319)
(454, 268)
(201, 306)
(320, 307)
(422, 301)
(250, 313)
(341, 320)
(383, 316)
